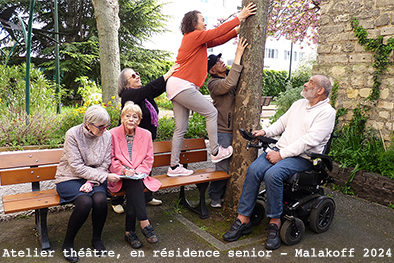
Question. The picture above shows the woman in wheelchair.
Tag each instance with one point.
(306, 126)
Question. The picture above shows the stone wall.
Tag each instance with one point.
(367, 185)
(346, 62)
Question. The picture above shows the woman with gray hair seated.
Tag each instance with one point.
(82, 176)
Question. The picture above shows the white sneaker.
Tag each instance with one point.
(118, 209)
(223, 153)
(155, 202)
(179, 171)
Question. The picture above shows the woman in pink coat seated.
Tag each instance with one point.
(132, 158)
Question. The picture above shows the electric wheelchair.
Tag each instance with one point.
(304, 200)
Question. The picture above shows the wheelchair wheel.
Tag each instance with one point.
(321, 217)
(291, 236)
(258, 213)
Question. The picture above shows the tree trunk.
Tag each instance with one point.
(106, 13)
(247, 101)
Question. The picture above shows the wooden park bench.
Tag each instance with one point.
(40, 165)
(266, 100)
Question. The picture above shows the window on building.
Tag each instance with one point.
(271, 53)
(295, 56)
(287, 55)
(301, 55)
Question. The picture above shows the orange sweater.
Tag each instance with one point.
(192, 55)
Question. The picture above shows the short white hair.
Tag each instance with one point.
(96, 114)
(129, 106)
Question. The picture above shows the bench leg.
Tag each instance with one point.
(182, 197)
(201, 208)
(41, 226)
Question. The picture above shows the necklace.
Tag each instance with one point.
(129, 138)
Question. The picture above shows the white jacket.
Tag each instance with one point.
(303, 128)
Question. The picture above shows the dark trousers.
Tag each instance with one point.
(135, 203)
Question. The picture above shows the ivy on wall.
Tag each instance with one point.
(359, 146)
(381, 54)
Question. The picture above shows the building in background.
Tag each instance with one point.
(281, 54)
(277, 52)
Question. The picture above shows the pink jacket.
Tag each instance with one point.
(142, 156)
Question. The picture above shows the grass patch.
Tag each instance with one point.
(217, 224)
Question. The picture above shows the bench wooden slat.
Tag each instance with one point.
(27, 175)
(185, 157)
(199, 176)
(30, 201)
(29, 158)
(188, 145)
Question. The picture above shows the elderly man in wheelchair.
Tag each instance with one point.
(306, 126)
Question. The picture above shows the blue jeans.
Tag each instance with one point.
(218, 188)
(273, 175)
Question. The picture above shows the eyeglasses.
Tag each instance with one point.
(102, 127)
(134, 75)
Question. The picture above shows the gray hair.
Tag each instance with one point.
(96, 114)
(325, 83)
(123, 82)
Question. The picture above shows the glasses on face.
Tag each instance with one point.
(102, 127)
(134, 75)
(131, 116)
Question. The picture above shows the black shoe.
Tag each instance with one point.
(149, 234)
(68, 255)
(98, 246)
(237, 230)
(273, 239)
(132, 238)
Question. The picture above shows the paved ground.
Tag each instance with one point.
(361, 232)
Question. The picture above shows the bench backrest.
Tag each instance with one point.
(192, 151)
(28, 166)
(40, 165)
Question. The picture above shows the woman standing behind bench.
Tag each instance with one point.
(82, 176)
(132, 156)
(130, 89)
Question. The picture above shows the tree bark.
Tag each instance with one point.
(106, 13)
(247, 101)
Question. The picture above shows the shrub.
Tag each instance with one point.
(87, 88)
(304, 70)
(18, 129)
(274, 82)
(74, 116)
(13, 90)
(204, 89)
(165, 129)
(358, 146)
(285, 99)
(197, 128)
(163, 101)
